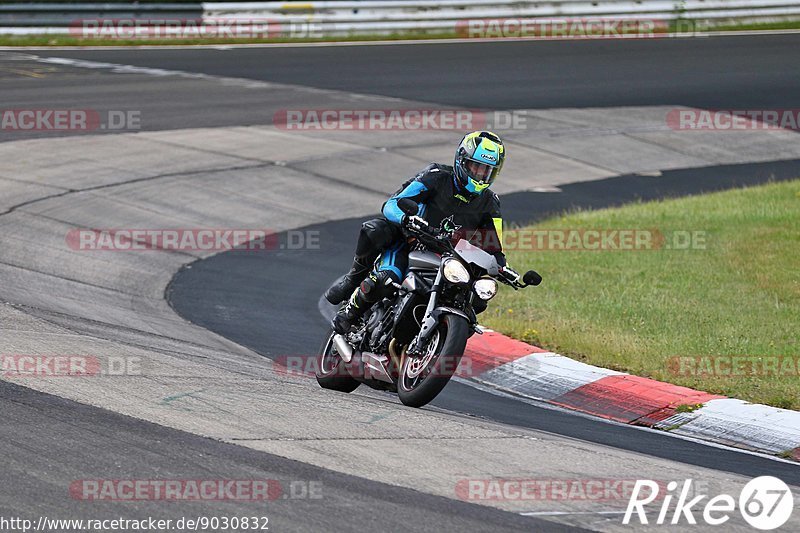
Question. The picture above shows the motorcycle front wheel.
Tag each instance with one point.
(423, 377)
(330, 370)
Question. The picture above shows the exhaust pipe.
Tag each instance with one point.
(343, 347)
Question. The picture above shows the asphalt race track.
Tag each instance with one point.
(161, 453)
(209, 405)
(721, 72)
(716, 73)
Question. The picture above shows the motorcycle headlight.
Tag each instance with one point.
(455, 272)
(485, 288)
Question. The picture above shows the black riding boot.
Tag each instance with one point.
(342, 289)
(350, 313)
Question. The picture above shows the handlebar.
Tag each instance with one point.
(513, 283)
(439, 240)
(440, 237)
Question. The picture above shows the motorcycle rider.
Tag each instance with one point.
(440, 190)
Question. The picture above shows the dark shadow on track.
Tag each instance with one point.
(268, 302)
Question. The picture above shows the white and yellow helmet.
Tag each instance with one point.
(479, 158)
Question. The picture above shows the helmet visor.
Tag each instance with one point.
(480, 172)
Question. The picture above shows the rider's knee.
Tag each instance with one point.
(380, 232)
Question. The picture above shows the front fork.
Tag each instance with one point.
(428, 321)
(432, 317)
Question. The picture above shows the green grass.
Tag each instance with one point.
(764, 26)
(69, 40)
(635, 310)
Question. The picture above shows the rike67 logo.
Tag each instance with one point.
(765, 503)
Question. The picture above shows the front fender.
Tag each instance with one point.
(444, 310)
(429, 324)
